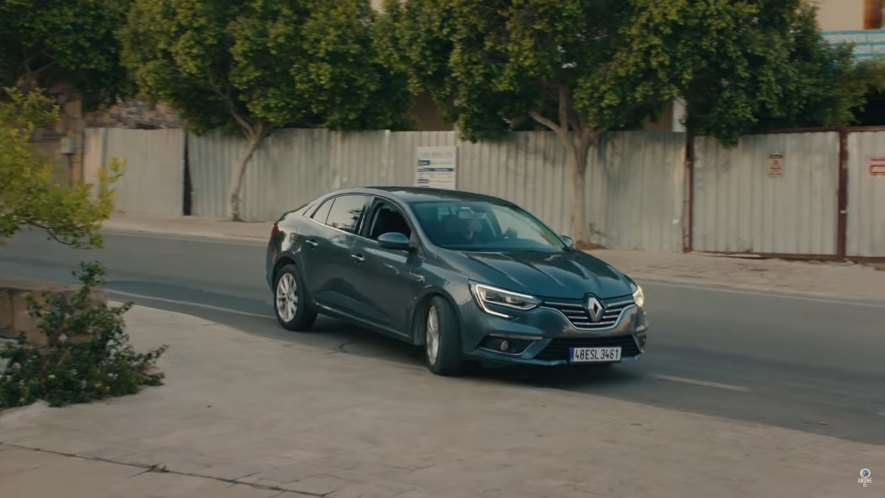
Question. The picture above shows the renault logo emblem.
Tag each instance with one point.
(595, 309)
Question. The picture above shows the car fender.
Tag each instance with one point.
(453, 293)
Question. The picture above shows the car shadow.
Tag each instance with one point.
(362, 342)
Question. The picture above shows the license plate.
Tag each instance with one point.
(584, 355)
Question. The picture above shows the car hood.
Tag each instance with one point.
(564, 275)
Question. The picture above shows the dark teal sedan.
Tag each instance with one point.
(465, 276)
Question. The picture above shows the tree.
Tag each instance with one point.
(753, 66)
(585, 67)
(257, 65)
(71, 215)
(44, 42)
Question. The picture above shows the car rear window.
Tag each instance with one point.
(322, 213)
(346, 212)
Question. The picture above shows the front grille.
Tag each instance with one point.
(559, 349)
(579, 317)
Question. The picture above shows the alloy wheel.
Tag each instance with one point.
(287, 297)
(432, 339)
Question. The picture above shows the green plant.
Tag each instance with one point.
(70, 214)
(88, 355)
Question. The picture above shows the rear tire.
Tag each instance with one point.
(292, 304)
(442, 339)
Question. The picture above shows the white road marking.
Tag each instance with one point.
(188, 303)
(704, 383)
(211, 239)
(750, 292)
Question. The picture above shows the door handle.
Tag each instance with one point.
(357, 257)
(311, 243)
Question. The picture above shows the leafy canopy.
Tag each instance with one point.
(741, 65)
(44, 42)
(237, 63)
(752, 65)
(29, 198)
(491, 63)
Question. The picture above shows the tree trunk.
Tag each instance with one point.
(253, 141)
(578, 204)
(577, 136)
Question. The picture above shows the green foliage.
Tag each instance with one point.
(43, 42)
(28, 196)
(741, 65)
(414, 40)
(753, 65)
(284, 63)
(88, 355)
(489, 63)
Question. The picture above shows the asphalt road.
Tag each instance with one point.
(807, 364)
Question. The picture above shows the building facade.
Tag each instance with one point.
(842, 15)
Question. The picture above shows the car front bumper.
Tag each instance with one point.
(548, 335)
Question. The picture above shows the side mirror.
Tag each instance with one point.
(570, 242)
(395, 241)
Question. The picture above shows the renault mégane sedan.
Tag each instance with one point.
(465, 276)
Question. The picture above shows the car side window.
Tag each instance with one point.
(322, 213)
(346, 212)
(387, 219)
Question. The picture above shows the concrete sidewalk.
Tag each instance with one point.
(242, 415)
(825, 280)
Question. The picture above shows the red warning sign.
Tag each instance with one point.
(776, 165)
(877, 165)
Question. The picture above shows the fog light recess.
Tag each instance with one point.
(507, 345)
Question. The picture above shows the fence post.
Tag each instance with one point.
(842, 220)
(688, 195)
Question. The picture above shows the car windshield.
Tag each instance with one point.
(484, 226)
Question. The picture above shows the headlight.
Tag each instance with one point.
(486, 295)
(638, 296)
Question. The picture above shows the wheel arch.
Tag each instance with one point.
(282, 261)
(421, 306)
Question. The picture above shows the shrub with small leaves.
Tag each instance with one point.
(88, 355)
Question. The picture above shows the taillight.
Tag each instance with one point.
(275, 230)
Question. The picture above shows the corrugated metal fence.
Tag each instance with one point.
(866, 194)
(153, 176)
(636, 186)
(743, 205)
(529, 168)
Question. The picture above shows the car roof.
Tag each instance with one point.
(412, 195)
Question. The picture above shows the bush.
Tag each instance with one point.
(88, 356)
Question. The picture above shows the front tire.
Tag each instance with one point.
(442, 339)
(292, 304)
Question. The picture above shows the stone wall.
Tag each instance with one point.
(126, 113)
(15, 318)
(134, 113)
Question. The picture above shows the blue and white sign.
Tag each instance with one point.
(868, 43)
(437, 167)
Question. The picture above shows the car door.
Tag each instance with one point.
(389, 279)
(328, 261)
(313, 242)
